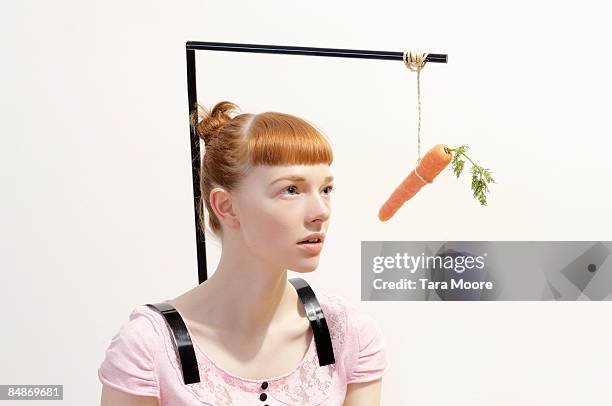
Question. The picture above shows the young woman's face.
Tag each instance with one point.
(280, 206)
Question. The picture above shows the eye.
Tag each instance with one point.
(330, 188)
(291, 187)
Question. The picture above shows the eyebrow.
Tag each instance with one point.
(297, 178)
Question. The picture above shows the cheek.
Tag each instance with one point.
(270, 226)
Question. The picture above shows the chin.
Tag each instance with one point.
(304, 268)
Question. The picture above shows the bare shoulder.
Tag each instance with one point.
(112, 396)
(364, 393)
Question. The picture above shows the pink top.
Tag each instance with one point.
(141, 359)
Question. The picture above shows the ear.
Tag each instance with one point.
(221, 203)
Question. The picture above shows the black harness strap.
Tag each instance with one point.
(188, 360)
(189, 364)
(322, 338)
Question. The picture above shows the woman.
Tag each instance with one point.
(267, 183)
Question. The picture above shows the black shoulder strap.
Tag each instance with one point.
(189, 364)
(322, 338)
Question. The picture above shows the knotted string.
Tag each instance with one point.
(415, 61)
(420, 177)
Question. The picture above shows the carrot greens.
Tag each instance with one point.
(481, 177)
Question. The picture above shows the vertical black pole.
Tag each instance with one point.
(195, 165)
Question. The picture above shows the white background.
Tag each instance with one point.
(97, 210)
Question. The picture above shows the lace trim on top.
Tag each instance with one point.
(306, 385)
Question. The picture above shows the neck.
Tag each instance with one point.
(247, 295)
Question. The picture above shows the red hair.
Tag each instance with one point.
(233, 145)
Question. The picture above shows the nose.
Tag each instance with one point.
(318, 209)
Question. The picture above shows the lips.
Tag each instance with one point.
(312, 239)
(312, 243)
(311, 247)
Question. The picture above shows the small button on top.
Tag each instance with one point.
(263, 397)
(264, 385)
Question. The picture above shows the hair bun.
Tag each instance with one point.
(211, 121)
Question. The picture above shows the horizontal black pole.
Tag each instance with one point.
(281, 49)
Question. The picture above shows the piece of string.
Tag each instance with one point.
(420, 177)
(415, 61)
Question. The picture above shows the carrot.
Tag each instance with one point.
(432, 163)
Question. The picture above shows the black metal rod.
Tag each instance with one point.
(195, 165)
(292, 50)
(192, 46)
